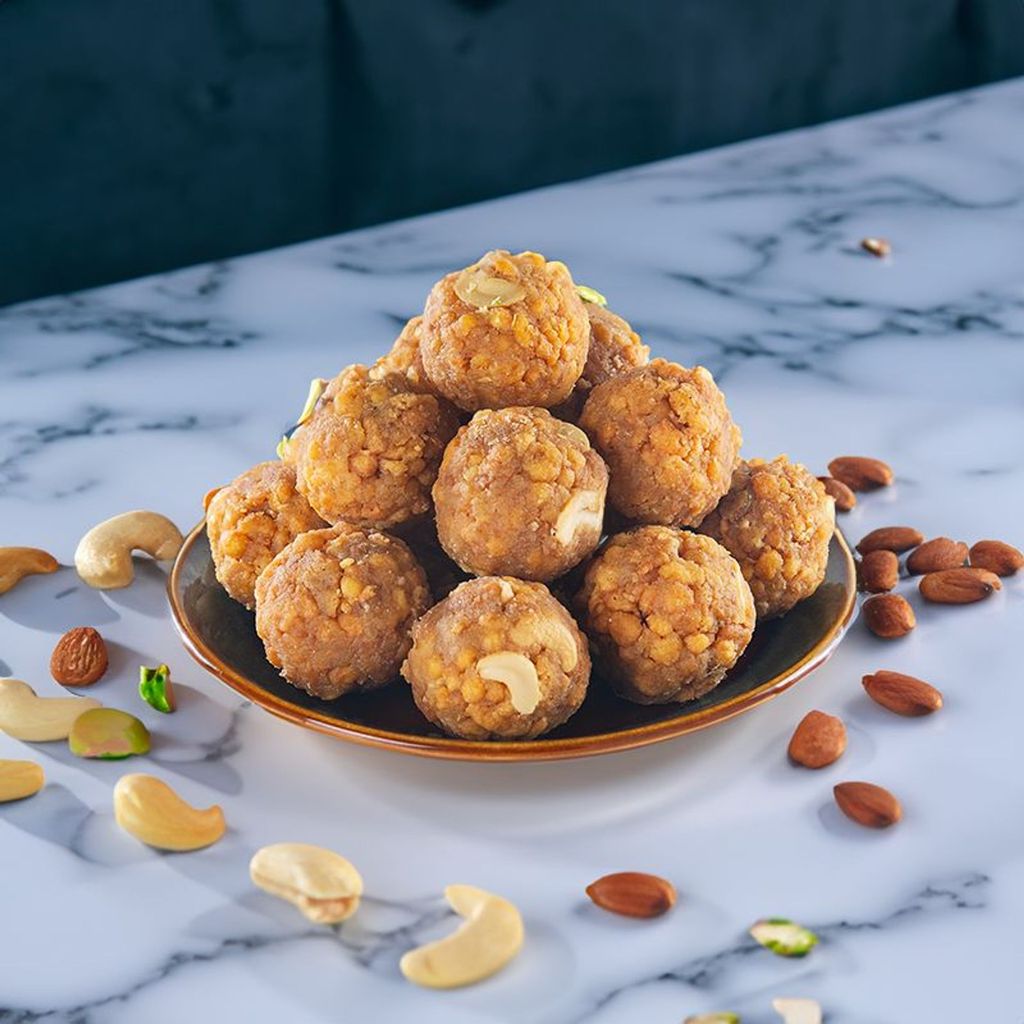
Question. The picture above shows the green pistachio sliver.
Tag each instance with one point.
(783, 937)
(316, 389)
(155, 688)
(591, 295)
(713, 1018)
(282, 447)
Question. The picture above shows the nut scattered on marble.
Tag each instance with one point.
(489, 937)
(876, 247)
(845, 499)
(783, 937)
(591, 295)
(861, 473)
(19, 779)
(107, 734)
(995, 555)
(17, 563)
(713, 1018)
(80, 657)
(478, 289)
(879, 571)
(902, 694)
(25, 716)
(958, 586)
(890, 538)
(936, 554)
(633, 894)
(889, 615)
(519, 675)
(321, 883)
(103, 557)
(155, 688)
(819, 740)
(797, 1011)
(148, 809)
(867, 804)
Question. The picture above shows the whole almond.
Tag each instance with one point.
(80, 657)
(844, 497)
(818, 740)
(958, 586)
(879, 571)
(633, 894)
(904, 695)
(890, 538)
(889, 615)
(997, 556)
(935, 554)
(868, 804)
(860, 473)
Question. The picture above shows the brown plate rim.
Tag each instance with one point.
(449, 748)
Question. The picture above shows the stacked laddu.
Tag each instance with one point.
(382, 505)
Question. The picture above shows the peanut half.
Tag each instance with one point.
(489, 937)
(25, 716)
(103, 557)
(19, 779)
(17, 563)
(519, 675)
(148, 809)
(321, 883)
(480, 290)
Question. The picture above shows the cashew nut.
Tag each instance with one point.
(321, 883)
(148, 809)
(478, 289)
(518, 673)
(549, 633)
(488, 938)
(103, 557)
(584, 510)
(798, 1011)
(19, 779)
(16, 563)
(25, 716)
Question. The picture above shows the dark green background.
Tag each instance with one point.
(140, 135)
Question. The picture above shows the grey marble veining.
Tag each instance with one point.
(746, 259)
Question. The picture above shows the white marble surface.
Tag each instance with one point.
(745, 259)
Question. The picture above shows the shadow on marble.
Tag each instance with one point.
(5, 669)
(56, 603)
(148, 593)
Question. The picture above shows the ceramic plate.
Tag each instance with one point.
(220, 634)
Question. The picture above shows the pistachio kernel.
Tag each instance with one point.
(591, 295)
(783, 937)
(316, 389)
(282, 447)
(108, 734)
(155, 688)
(482, 291)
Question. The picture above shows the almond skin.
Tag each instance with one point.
(937, 554)
(901, 694)
(878, 572)
(890, 538)
(860, 473)
(819, 740)
(889, 615)
(633, 894)
(958, 586)
(868, 804)
(845, 498)
(80, 657)
(996, 556)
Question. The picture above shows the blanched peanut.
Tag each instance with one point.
(321, 883)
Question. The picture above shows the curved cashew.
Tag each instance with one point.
(519, 675)
(488, 938)
(584, 510)
(25, 716)
(797, 1011)
(321, 883)
(103, 557)
(19, 779)
(16, 563)
(148, 809)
